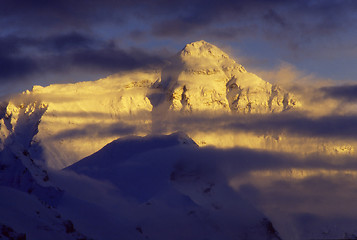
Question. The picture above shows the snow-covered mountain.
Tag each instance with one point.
(166, 154)
(136, 179)
(78, 119)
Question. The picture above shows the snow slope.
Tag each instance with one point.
(28, 195)
(24, 217)
(168, 193)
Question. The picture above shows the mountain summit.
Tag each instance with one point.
(204, 78)
(202, 49)
(203, 55)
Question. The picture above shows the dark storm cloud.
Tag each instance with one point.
(69, 41)
(15, 46)
(11, 63)
(175, 18)
(198, 16)
(44, 14)
(114, 59)
(16, 67)
(70, 50)
(67, 14)
(345, 93)
(304, 17)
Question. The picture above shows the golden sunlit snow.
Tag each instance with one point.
(81, 118)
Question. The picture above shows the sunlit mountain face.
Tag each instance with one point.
(201, 91)
(201, 83)
(198, 148)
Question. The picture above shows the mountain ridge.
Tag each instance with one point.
(85, 116)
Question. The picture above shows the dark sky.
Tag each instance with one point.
(65, 41)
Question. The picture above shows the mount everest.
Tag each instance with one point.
(81, 118)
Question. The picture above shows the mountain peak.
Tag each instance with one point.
(209, 80)
(198, 44)
(202, 49)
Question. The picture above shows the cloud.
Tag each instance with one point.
(290, 123)
(319, 96)
(69, 41)
(16, 67)
(306, 18)
(181, 17)
(177, 27)
(60, 14)
(114, 59)
(95, 130)
(64, 52)
(12, 64)
(329, 126)
(345, 93)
